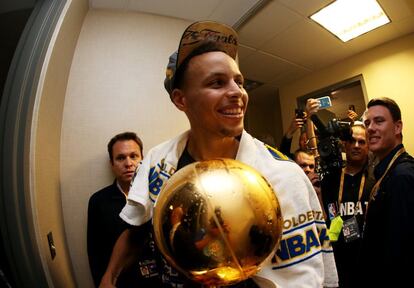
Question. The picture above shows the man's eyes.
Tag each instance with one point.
(375, 121)
(222, 82)
(311, 166)
(123, 157)
(216, 82)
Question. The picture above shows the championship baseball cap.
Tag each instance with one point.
(193, 37)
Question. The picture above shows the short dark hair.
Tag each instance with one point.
(390, 104)
(302, 151)
(124, 137)
(208, 46)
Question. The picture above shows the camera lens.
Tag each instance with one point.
(325, 148)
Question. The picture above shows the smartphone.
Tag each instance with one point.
(324, 102)
(352, 107)
(299, 113)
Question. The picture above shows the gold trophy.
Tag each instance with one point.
(217, 221)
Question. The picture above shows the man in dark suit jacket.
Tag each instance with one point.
(386, 252)
(104, 223)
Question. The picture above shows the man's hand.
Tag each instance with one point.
(352, 115)
(295, 124)
(312, 106)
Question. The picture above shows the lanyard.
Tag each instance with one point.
(341, 187)
(377, 185)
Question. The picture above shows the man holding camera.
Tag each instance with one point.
(345, 193)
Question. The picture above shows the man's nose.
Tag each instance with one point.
(129, 162)
(235, 90)
(369, 127)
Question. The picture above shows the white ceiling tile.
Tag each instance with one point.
(245, 51)
(303, 43)
(184, 9)
(405, 26)
(262, 67)
(230, 11)
(374, 38)
(331, 56)
(397, 10)
(305, 7)
(268, 22)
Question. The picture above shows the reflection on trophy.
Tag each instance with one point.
(217, 221)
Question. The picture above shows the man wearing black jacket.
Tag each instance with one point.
(345, 193)
(104, 223)
(387, 253)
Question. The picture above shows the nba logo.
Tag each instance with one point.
(331, 211)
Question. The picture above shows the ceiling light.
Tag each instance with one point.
(348, 19)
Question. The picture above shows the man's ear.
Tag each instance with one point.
(177, 97)
(398, 127)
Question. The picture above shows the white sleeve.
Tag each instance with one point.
(298, 261)
(138, 209)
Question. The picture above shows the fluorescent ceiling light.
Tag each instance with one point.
(348, 19)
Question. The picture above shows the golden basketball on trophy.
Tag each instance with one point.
(217, 221)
